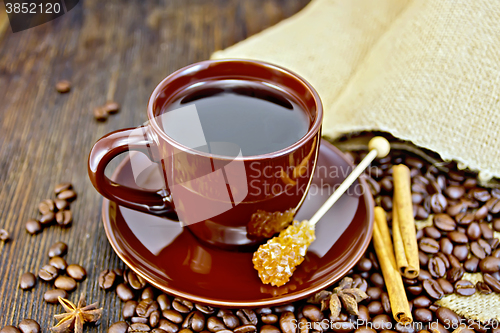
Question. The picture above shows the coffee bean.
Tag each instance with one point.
(214, 324)
(287, 307)
(68, 195)
(422, 302)
(77, 272)
(447, 317)
(29, 326)
(139, 327)
(445, 285)
(424, 275)
(458, 237)
(454, 210)
(62, 187)
(429, 245)
(136, 281)
(471, 264)
(312, 313)
(473, 231)
(27, 281)
(363, 314)
(124, 292)
(64, 218)
(437, 267)
(269, 329)
(154, 318)
(417, 198)
(164, 302)
(481, 213)
(480, 194)
(432, 232)
(461, 252)
(386, 202)
(438, 203)
(483, 288)
(107, 279)
(496, 224)
(63, 86)
(118, 327)
(47, 219)
(141, 320)
(445, 259)
(288, 322)
(414, 290)
(247, 316)
(167, 326)
(364, 265)
(423, 258)
(51, 296)
(381, 322)
(422, 315)
(454, 192)
(173, 315)
(486, 230)
(195, 321)
(47, 273)
(375, 308)
(455, 274)
(58, 263)
(386, 304)
(269, 318)
(145, 307)
(33, 227)
(46, 206)
(465, 218)
(493, 283)
(58, 249)
(494, 243)
(374, 293)
(421, 213)
(100, 113)
(230, 320)
(489, 265)
(373, 185)
(61, 204)
(496, 253)
(433, 289)
(128, 310)
(205, 309)
(111, 107)
(477, 250)
(465, 288)
(181, 305)
(65, 283)
(245, 329)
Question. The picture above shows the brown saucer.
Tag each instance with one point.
(173, 260)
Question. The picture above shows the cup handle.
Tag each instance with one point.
(110, 146)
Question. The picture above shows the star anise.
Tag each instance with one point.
(76, 316)
(344, 295)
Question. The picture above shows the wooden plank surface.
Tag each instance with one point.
(111, 49)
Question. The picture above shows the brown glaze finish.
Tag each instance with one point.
(172, 259)
(264, 187)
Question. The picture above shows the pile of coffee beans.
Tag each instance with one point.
(25, 326)
(460, 239)
(62, 276)
(54, 210)
(102, 112)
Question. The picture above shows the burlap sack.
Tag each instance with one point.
(425, 71)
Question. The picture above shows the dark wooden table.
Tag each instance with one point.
(112, 49)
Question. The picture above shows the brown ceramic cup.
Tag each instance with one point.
(219, 198)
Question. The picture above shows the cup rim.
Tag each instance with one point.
(312, 132)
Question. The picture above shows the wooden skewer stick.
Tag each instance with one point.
(379, 147)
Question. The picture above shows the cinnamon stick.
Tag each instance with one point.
(393, 281)
(399, 249)
(404, 210)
